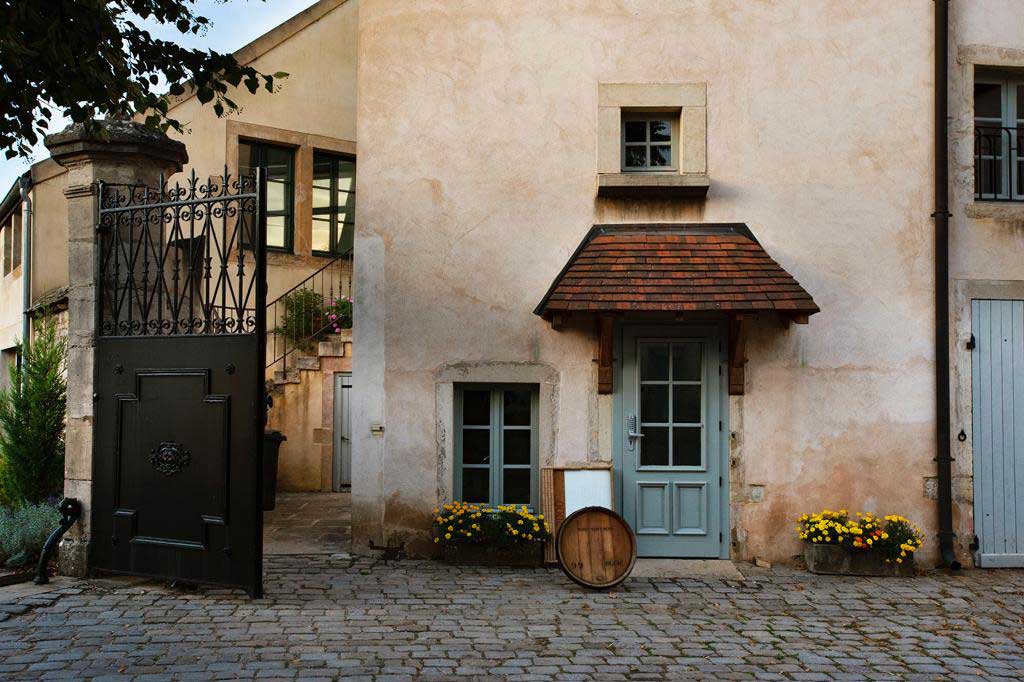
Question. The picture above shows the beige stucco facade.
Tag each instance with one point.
(478, 177)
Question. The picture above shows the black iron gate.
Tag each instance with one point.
(180, 347)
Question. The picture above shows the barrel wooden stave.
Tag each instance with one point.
(596, 548)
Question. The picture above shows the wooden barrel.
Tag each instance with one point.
(596, 547)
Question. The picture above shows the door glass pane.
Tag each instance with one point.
(635, 131)
(654, 446)
(654, 403)
(686, 404)
(661, 131)
(321, 233)
(988, 102)
(686, 361)
(517, 486)
(476, 408)
(476, 485)
(654, 362)
(476, 446)
(685, 446)
(517, 407)
(517, 446)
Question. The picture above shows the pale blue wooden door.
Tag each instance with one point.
(671, 441)
(997, 383)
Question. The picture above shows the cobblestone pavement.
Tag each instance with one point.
(341, 618)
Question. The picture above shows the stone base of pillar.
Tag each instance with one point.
(74, 558)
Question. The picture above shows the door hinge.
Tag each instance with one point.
(720, 537)
(719, 481)
(719, 424)
(970, 343)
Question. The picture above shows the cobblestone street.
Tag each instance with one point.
(340, 618)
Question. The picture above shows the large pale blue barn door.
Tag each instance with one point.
(997, 370)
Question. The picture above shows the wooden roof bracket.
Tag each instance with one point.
(605, 341)
(738, 328)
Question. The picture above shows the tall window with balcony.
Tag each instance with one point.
(998, 137)
(280, 167)
(334, 203)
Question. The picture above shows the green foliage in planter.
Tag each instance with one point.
(460, 523)
(32, 413)
(892, 537)
(23, 530)
(303, 318)
(339, 313)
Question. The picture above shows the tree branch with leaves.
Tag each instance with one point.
(95, 58)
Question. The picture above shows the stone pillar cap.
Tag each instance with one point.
(111, 137)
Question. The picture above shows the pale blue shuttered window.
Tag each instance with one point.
(496, 444)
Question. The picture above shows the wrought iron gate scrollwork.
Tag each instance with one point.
(178, 260)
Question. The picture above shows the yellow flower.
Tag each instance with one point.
(437, 539)
(447, 536)
(520, 522)
(451, 527)
(540, 516)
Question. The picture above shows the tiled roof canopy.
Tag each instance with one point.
(674, 268)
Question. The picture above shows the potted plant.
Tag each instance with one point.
(479, 534)
(866, 544)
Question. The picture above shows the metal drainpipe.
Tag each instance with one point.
(24, 183)
(943, 458)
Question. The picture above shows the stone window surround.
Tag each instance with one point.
(688, 100)
(304, 144)
(543, 376)
(969, 58)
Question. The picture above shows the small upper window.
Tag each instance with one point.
(998, 137)
(12, 242)
(280, 169)
(648, 142)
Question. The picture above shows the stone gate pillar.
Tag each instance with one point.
(114, 152)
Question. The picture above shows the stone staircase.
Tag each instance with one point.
(331, 346)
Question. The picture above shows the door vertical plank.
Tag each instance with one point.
(984, 438)
(1017, 481)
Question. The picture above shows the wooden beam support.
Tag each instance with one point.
(738, 327)
(605, 340)
(800, 319)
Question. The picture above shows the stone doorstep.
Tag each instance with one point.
(685, 568)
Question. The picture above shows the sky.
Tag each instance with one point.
(233, 23)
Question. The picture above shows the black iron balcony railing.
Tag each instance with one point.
(998, 163)
(313, 308)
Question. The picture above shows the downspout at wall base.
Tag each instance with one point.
(24, 184)
(943, 457)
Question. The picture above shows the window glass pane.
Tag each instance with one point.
(988, 177)
(476, 485)
(476, 446)
(344, 238)
(15, 240)
(654, 446)
(654, 403)
(476, 407)
(516, 485)
(686, 404)
(1020, 102)
(517, 446)
(988, 140)
(276, 230)
(988, 101)
(661, 155)
(346, 175)
(278, 162)
(517, 406)
(277, 194)
(321, 194)
(685, 446)
(654, 362)
(686, 361)
(661, 131)
(636, 156)
(321, 233)
(635, 131)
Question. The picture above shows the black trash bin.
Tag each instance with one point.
(271, 447)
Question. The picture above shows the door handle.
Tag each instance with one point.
(631, 432)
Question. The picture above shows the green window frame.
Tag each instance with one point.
(334, 203)
(279, 162)
(496, 444)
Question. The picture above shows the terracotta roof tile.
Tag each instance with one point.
(691, 267)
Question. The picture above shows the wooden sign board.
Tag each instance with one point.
(567, 489)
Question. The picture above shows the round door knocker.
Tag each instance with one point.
(230, 369)
(961, 436)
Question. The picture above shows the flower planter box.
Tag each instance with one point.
(494, 555)
(835, 560)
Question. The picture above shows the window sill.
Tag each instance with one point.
(652, 185)
(998, 210)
